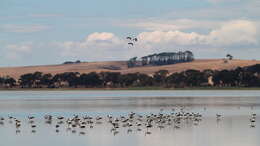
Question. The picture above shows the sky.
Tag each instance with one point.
(37, 32)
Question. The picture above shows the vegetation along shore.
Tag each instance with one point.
(241, 77)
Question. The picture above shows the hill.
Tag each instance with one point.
(121, 66)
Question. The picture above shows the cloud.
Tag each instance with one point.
(95, 46)
(24, 28)
(233, 32)
(167, 25)
(172, 37)
(104, 40)
(17, 51)
(109, 46)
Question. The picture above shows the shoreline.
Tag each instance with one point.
(128, 89)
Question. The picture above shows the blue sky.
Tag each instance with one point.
(53, 31)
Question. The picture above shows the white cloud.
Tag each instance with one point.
(231, 33)
(235, 32)
(170, 25)
(17, 51)
(95, 46)
(24, 28)
(109, 46)
(104, 39)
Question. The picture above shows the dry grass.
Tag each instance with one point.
(215, 64)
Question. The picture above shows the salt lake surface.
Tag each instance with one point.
(233, 128)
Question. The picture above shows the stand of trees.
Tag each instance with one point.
(7, 82)
(162, 59)
(239, 77)
(71, 62)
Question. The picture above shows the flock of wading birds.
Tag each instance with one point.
(131, 122)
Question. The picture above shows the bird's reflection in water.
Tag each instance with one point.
(131, 122)
(173, 121)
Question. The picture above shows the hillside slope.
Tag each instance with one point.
(121, 66)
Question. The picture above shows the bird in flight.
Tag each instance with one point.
(131, 40)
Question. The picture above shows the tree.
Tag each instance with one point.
(176, 80)
(132, 62)
(36, 79)
(144, 80)
(249, 80)
(9, 82)
(110, 78)
(57, 80)
(46, 80)
(30, 80)
(129, 79)
(195, 78)
(90, 80)
(225, 78)
(26, 80)
(160, 77)
(253, 68)
(2, 81)
(72, 78)
(230, 57)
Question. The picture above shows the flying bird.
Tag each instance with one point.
(135, 39)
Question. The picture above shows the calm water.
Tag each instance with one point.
(233, 129)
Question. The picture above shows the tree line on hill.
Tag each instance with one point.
(239, 77)
(163, 58)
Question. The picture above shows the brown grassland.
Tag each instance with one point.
(121, 66)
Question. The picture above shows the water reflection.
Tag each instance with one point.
(153, 121)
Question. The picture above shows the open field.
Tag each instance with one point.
(121, 66)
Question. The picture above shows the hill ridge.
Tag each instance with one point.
(121, 66)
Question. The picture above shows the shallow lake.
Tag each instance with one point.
(232, 128)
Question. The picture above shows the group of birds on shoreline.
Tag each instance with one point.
(130, 122)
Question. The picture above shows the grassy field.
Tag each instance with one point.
(199, 64)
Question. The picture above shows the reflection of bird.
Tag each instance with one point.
(218, 117)
(253, 121)
(131, 44)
